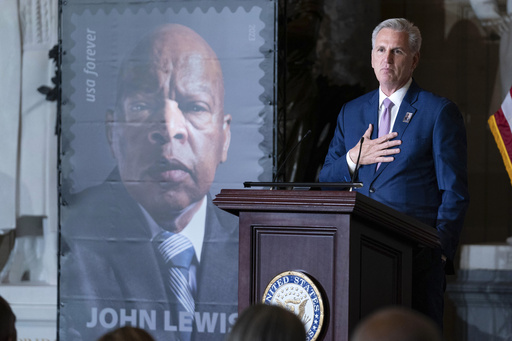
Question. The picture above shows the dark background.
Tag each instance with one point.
(325, 61)
(458, 62)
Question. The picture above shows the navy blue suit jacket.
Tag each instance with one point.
(428, 178)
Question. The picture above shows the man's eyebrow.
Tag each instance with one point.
(141, 90)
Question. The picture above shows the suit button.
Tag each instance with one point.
(372, 190)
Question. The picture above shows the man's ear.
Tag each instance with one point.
(226, 129)
(415, 60)
(109, 126)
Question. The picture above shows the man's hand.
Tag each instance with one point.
(375, 151)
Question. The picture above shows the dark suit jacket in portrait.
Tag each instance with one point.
(109, 269)
(428, 178)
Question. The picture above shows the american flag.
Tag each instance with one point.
(501, 127)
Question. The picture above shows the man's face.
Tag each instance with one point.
(393, 61)
(169, 132)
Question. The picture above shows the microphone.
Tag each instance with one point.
(290, 153)
(356, 170)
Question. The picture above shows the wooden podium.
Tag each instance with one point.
(357, 250)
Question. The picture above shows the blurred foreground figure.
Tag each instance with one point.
(263, 322)
(7, 322)
(127, 333)
(397, 324)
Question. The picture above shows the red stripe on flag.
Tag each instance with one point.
(505, 132)
(502, 131)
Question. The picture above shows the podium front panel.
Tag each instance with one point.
(357, 269)
(358, 252)
(311, 243)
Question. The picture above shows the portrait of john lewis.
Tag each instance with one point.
(125, 242)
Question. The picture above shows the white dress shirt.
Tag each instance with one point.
(397, 98)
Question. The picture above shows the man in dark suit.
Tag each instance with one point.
(168, 133)
(413, 156)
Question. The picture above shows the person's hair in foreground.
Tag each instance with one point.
(396, 324)
(127, 333)
(7, 321)
(263, 322)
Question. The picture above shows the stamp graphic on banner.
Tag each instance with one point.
(296, 292)
(125, 67)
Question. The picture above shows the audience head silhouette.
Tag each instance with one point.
(127, 333)
(7, 322)
(262, 322)
(396, 324)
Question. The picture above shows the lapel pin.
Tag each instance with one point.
(407, 117)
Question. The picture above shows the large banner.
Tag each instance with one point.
(163, 104)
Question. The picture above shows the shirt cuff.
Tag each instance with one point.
(351, 164)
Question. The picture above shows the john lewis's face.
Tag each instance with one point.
(169, 132)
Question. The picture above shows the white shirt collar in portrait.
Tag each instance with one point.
(194, 230)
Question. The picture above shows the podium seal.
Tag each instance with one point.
(296, 292)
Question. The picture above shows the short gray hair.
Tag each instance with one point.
(400, 25)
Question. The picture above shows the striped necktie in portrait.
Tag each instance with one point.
(178, 254)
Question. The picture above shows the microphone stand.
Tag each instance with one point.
(309, 185)
(356, 170)
(290, 153)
